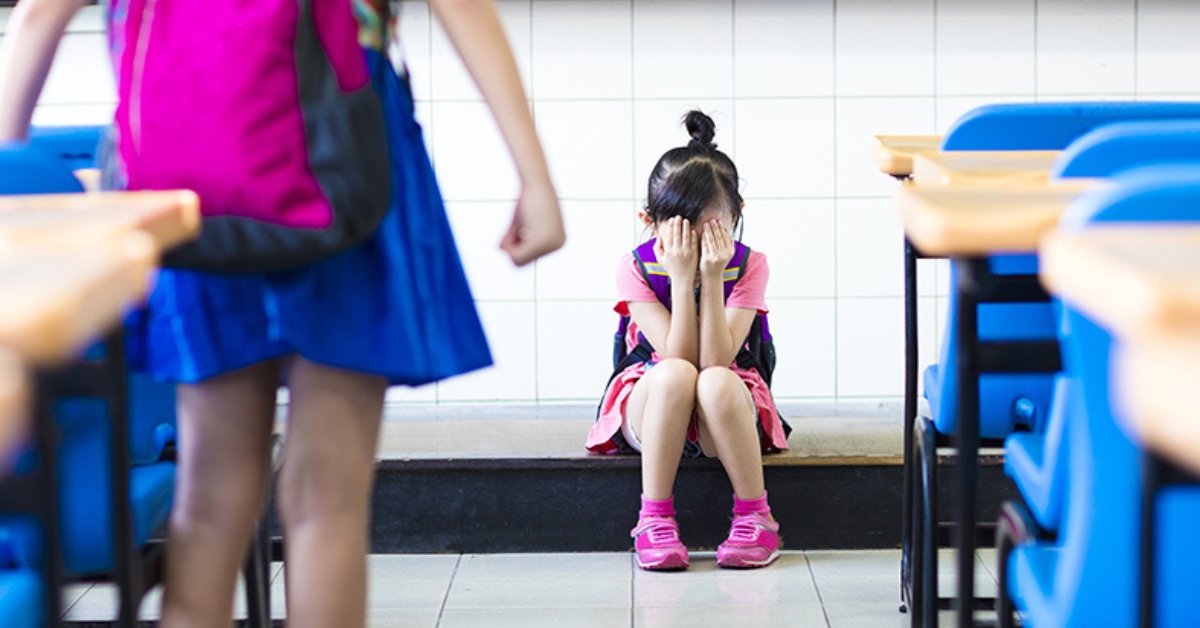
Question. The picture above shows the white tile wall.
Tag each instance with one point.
(797, 90)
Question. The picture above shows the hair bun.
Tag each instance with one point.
(701, 128)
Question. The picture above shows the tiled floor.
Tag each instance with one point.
(835, 589)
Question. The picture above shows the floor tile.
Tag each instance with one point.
(539, 593)
(787, 582)
(878, 615)
(393, 594)
(775, 616)
(558, 565)
(72, 594)
(412, 566)
(536, 618)
(402, 617)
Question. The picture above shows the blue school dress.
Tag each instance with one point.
(397, 305)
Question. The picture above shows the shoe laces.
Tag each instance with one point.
(660, 529)
(744, 529)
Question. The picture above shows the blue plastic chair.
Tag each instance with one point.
(1051, 126)
(1088, 575)
(22, 589)
(75, 147)
(1036, 462)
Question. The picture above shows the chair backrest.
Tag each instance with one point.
(1124, 145)
(74, 146)
(1050, 126)
(24, 170)
(1097, 578)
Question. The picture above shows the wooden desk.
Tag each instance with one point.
(72, 221)
(13, 400)
(894, 153)
(1143, 283)
(983, 167)
(978, 219)
(56, 303)
(90, 178)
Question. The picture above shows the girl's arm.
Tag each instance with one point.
(722, 330)
(31, 38)
(475, 31)
(673, 334)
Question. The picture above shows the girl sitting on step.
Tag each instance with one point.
(689, 385)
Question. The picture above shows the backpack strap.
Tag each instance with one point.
(660, 282)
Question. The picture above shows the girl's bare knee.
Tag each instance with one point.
(721, 396)
(676, 371)
(314, 488)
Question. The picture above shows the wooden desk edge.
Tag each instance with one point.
(897, 162)
(14, 401)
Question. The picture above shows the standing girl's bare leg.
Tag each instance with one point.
(325, 492)
(728, 429)
(225, 426)
(659, 409)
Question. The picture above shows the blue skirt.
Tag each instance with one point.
(397, 305)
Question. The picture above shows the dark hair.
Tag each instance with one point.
(689, 179)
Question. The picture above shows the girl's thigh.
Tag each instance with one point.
(738, 409)
(673, 379)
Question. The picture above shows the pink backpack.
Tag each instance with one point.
(263, 107)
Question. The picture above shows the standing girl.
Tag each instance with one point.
(338, 329)
(686, 395)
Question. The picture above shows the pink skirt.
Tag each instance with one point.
(612, 410)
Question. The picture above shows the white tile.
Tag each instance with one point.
(589, 146)
(391, 567)
(929, 339)
(683, 49)
(784, 147)
(885, 47)
(744, 590)
(478, 228)
(598, 234)
(473, 163)
(785, 615)
(658, 127)
(545, 565)
(406, 394)
(859, 120)
(450, 78)
(870, 342)
(402, 617)
(534, 618)
(575, 342)
(798, 238)
(870, 249)
(803, 330)
(81, 73)
(582, 49)
(407, 594)
(1086, 46)
(927, 276)
(985, 47)
(511, 334)
(412, 45)
(950, 108)
(783, 48)
(881, 613)
(585, 592)
(88, 19)
(1168, 49)
(68, 115)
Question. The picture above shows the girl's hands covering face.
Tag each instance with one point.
(716, 249)
(678, 249)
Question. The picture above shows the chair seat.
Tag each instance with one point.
(1037, 462)
(21, 598)
(1032, 570)
(86, 545)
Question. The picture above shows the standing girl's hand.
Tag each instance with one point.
(537, 226)
(678, 250)
(716, 249)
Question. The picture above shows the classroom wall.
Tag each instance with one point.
(797, 89)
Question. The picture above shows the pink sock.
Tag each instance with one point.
(748, 506)
(657, 507)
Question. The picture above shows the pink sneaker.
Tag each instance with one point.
(753, 542)
(656, 540)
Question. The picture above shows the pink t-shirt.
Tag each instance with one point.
(750, 292)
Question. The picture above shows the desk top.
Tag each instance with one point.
(68, 221)
(57, 302)
(1155, 390)
(980, 219)
(894, 153)
(13, 400)
(983, 167)
(1140, 281)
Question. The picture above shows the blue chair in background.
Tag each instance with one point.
(1087, 574)
(1011, 401)
(75, 147)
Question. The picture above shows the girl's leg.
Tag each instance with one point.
(325, 492)
(659, 409)
(728, 429)
(225, 426)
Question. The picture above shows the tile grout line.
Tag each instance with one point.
(446, 597)
(817, 588)
(632, 592)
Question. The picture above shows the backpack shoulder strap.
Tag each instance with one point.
(652, 272)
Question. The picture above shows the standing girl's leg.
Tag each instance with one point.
(325, 492)
(225, 426)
